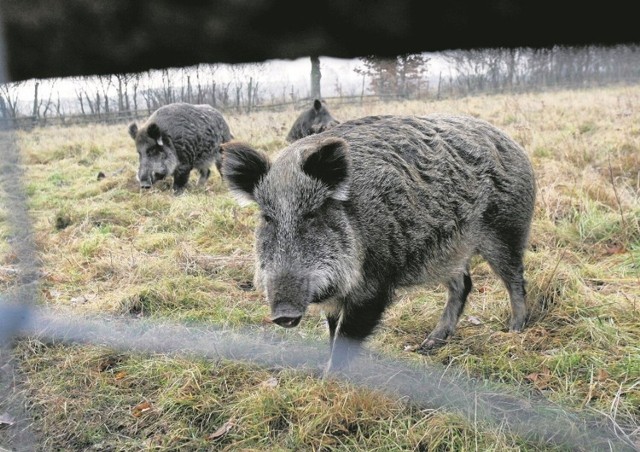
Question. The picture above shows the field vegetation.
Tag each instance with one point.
(108, 248)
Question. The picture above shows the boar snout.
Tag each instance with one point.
(289, 298)
(286, 321)
(144, 179)
(145, 182)
(286, 314)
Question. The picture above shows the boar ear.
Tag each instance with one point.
(133, 130)
(317, 105)
(329, 163)
(242, 168)
(155, 133)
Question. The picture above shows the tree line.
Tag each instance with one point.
(500, 70)
(118, 97)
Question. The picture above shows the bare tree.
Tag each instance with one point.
(135, 83)
(41, 106)
(210, 74)
(9, 94)
(316, 75)
(105, 83)
(246, 74)
(88, 95)
(123, 81)
(167, 87)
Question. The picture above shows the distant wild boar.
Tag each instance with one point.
(177, 138)
(381, 202)
(314, 120)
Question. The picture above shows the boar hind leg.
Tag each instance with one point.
(506, 259)
(218, 162)
(355, 323)
(459, 287)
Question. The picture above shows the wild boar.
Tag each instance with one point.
(351, 214)
(314, 120)
(177, 138)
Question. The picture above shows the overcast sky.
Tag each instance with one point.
(272, 76)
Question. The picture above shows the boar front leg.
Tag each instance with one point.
(180, 178)
(204, 176)
(354, 324)
(458, 288)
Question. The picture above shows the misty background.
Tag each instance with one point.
(278, 84)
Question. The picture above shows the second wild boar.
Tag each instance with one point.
(311, 121)
(177, 138)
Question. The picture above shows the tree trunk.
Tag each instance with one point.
(36, 107)
(315, 77)
(120, 94)
(249, 94)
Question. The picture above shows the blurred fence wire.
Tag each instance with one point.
(423, 386)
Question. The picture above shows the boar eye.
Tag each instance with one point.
(266, 218)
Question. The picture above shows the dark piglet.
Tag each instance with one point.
(381, 202)
(177, 138)
(314, 120)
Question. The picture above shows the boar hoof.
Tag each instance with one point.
(516, 326)
(429, 345)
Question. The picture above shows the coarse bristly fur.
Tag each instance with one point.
(311, 121)
(350, 214)
(177, 138)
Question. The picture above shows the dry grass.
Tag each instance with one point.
(107, 248)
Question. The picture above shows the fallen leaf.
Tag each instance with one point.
(474, 320)
(222, 430)
(270, 383)
(120, 375)
(6, 419)
(483, 289)
(266, 320)
(615, 248)
(602, 375)
(411, 348)
(540, 379)
(141, 408)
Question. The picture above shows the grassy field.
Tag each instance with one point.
(107, 248)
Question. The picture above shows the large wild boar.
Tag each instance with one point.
(314, 120)
(380, 202)
(177, 138)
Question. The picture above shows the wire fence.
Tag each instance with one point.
(423, 386)
(122, 116)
